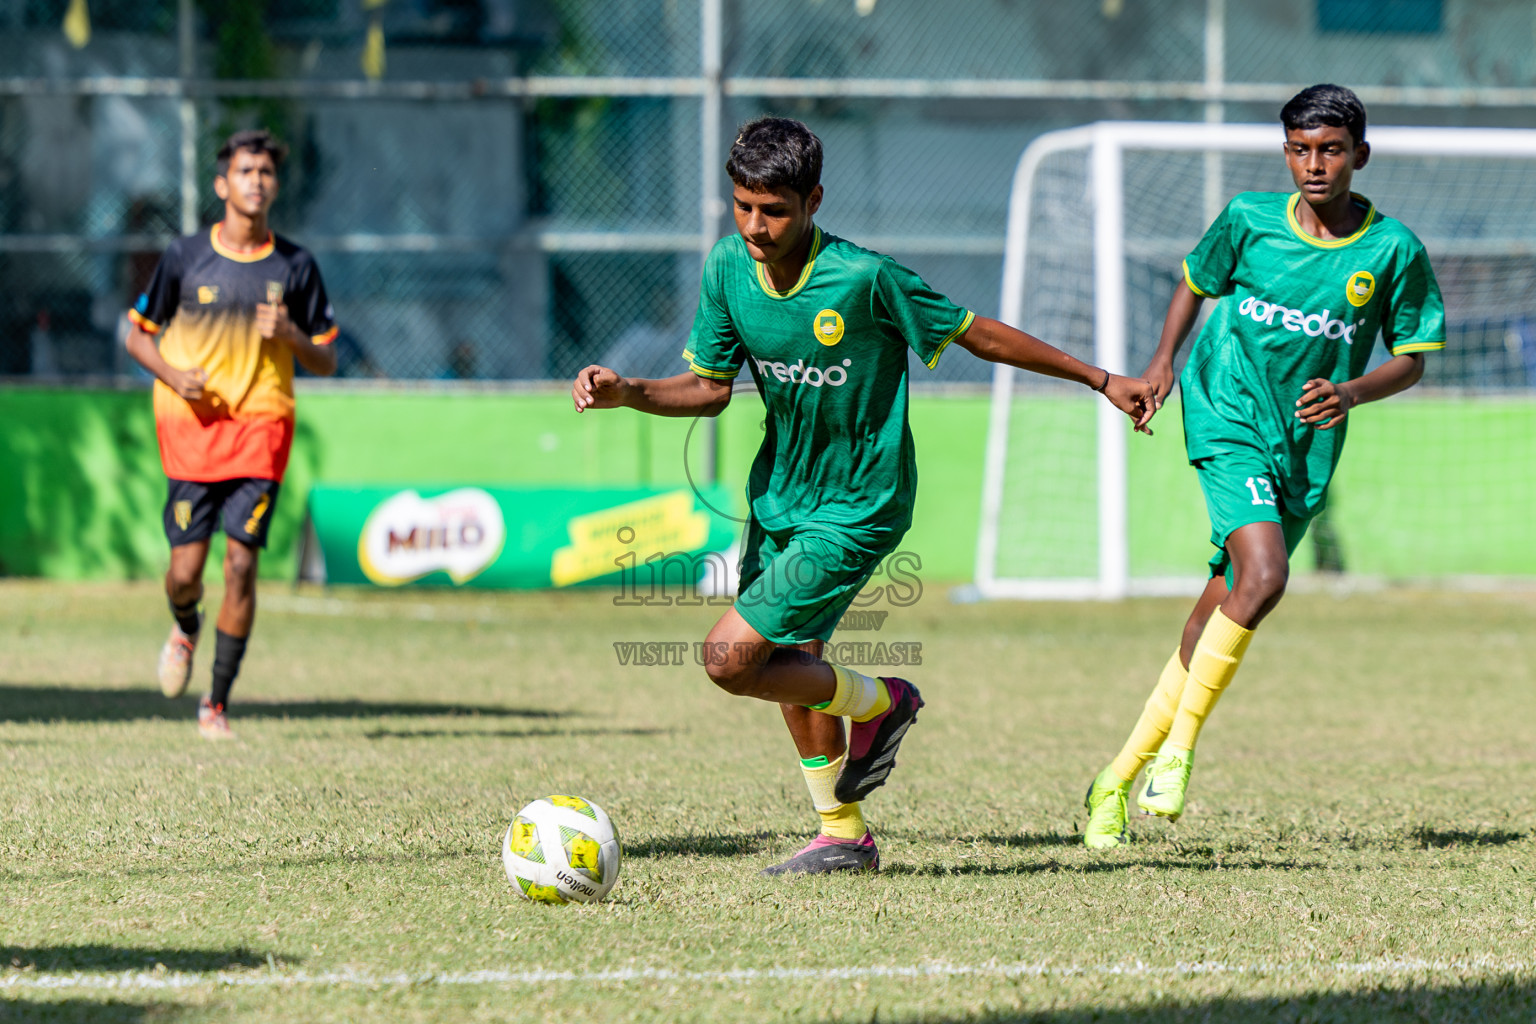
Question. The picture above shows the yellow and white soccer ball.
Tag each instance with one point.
(561, 849)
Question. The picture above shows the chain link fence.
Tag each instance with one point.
(530, 185)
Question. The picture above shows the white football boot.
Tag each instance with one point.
(176, 660)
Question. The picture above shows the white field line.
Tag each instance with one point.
(144, 981)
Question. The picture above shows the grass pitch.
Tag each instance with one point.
(1359, 845)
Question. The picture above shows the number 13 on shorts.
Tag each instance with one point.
(1263, 491)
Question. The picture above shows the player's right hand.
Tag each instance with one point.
(598, 387)
(1135, 397)
(189, 384)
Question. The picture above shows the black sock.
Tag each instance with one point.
(226, 665)
(186, 617)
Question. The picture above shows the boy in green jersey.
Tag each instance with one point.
(823, 327)
(1304, 283)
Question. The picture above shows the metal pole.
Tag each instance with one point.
(187, 47)
(1215, 109)
(711, 202)
(1109, 343)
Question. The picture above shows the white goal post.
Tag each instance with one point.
(1085, 220)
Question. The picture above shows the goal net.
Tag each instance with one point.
(1438, 482)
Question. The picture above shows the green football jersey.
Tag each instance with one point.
(829, 357)
(1292, 308)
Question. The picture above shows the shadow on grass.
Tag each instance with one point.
(21, 702)
(509, 734)
(1112, 862)
(1502, 1001)
(703, 844)
(1165, 857)
(85, 1011)
(1015, 840)
(1027, 840)
(1431, 838)
(98, 957)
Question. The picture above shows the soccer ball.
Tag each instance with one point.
(561, 849)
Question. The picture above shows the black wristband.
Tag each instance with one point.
(1101, 387)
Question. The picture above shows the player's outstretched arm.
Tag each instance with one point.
(996, 342)
(1325, 404)
(1182, 311)
(186, 383)
(687, 394)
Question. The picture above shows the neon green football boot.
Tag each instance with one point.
(1167, 780)
(1106, 812)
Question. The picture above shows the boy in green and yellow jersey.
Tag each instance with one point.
(1304, 284)
(823, 327)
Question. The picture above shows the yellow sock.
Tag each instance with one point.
(840, 821)
(1211, 668)
(1156, 719)
(858, 696)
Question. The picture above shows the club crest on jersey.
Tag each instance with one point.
(207, 294)
(829, 327)
(182, 510)
(1360, 288)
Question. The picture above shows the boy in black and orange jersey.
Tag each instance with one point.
(223, 319)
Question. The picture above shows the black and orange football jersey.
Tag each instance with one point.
(201, 304)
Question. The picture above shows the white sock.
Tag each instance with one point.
(856, 694)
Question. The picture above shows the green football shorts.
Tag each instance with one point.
(796, 584)
(1240, 488)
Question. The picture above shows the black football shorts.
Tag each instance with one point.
(192, 509)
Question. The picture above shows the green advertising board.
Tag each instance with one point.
(518, 537)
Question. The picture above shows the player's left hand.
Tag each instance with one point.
(1135, 397)
(1324, 404)
(272, 322)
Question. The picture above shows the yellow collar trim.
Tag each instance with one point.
(1330, 243)
(256, 255)
(805, 271)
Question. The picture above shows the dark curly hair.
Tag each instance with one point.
(255, 140)
(1320, 105)
(775, 152)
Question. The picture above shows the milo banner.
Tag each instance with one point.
(513, 537)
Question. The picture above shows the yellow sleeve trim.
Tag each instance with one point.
(1418, 346)
(713, 374)
(144, 323)
(965, 325)
(1194, 287)
(326, 338)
